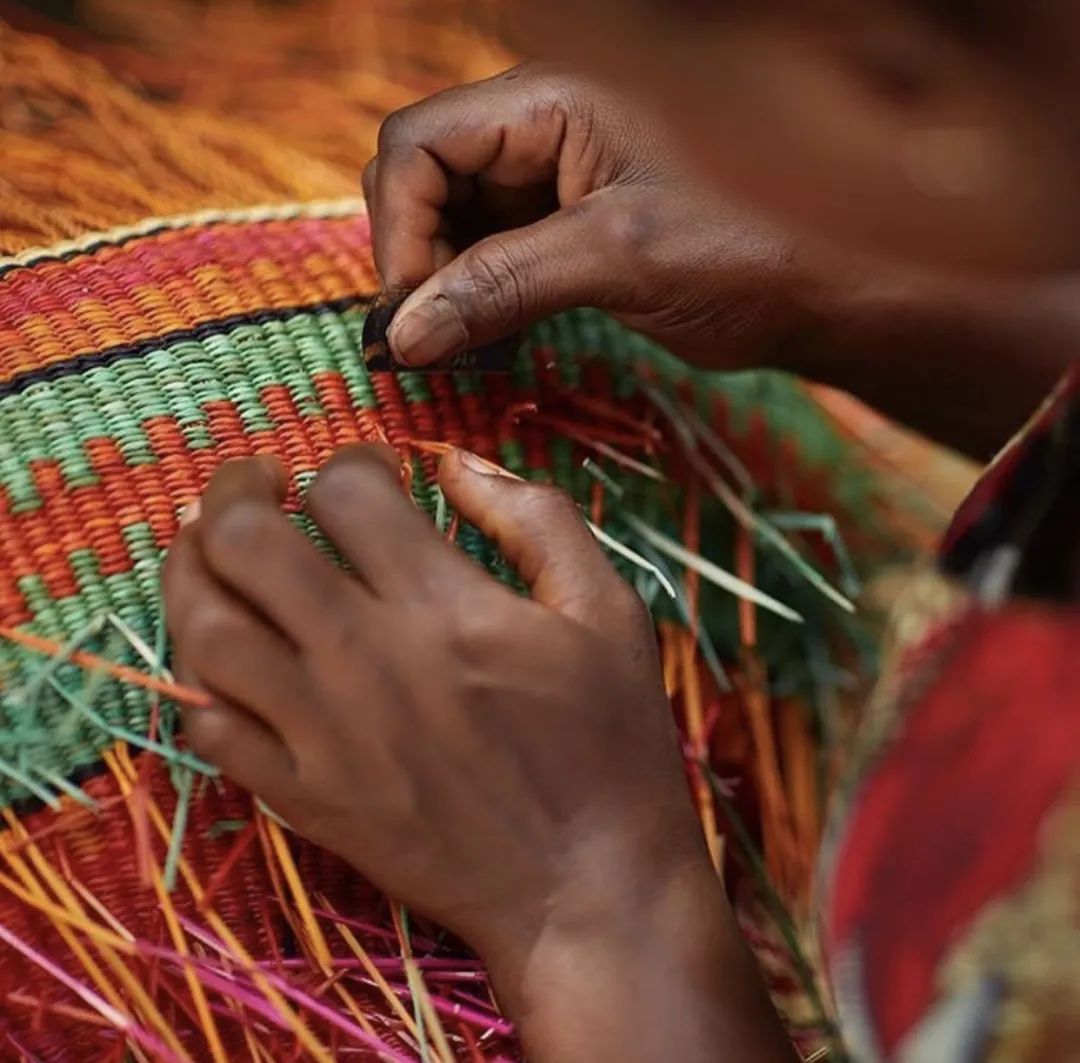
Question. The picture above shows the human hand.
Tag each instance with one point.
(534, 192)
(494, 762)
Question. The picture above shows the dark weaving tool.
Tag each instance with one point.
(496, 357)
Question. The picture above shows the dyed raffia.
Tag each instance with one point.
(154, 324)
(319, 74)
(130, 368)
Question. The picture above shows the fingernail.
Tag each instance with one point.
(474, 463)
(190, 513)
(428, 333)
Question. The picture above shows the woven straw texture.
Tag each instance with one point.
(183, 288)
(131, 367)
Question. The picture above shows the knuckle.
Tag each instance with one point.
(631, 617)
(211, 636)
(520, 72)
(549, 504)
(627, 604)
(240, 531)
(472, 631)
(630, 228)
(206, 734)
(496, 278)
(340, 639)
(396, 131)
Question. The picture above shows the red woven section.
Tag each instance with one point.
(99, 852)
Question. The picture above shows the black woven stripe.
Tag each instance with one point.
(80, 363)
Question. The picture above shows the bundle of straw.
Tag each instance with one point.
(179, 289)
(320, 74)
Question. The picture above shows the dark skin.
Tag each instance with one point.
(571, 178)
(879, 130)
(546, 738)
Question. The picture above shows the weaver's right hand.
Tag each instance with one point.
(536, 191)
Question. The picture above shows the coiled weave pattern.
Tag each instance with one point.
(131, 366)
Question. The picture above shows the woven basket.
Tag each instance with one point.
(131, 365)
(150, 910)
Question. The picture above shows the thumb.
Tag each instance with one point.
(502, 284)
(540, 531)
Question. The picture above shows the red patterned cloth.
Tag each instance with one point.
(952, 896)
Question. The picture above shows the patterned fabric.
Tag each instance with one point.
(952, 919)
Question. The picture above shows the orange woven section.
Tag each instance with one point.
(107, 858)
(170, 282)
(320, 74)
(82, 153)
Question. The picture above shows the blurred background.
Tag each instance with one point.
(320, 73)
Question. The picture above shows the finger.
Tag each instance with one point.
(181, 561)
(497, 127)
(250, 546)
(541, 532)
(223, 648)
(358, 500)
(367, 182)
(442, 248)
(506, 282)
(247, 751)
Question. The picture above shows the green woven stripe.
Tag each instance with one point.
(42, 736)
(57, 418)
(40, 733)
